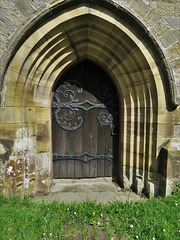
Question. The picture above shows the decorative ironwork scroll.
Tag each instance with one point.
(66, 104)
(90, 157)
(105, 118)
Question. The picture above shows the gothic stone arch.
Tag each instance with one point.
(86, 32)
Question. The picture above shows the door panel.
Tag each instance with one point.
(84, 113)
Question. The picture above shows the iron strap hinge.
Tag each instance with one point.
(79, 157)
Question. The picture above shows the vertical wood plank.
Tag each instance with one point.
(100, 151)
(109, 143)
(85, 140)
(61, 149)
(56, 173)
(70, 152)
(78, 165)
(93, 143)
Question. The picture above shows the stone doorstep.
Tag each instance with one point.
(84, 185)
(100, 190)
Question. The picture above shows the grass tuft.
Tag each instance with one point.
(157, 218)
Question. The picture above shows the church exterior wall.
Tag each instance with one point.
(149, 97)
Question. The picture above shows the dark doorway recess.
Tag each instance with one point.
(85, 124)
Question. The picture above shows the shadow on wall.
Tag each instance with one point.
(141, 143)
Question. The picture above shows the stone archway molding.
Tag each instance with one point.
(70, 32)
(28, 28)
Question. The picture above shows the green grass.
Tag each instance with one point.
(152, 219)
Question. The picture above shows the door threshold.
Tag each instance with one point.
(100, 184)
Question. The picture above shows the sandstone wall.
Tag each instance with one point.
(25, 128)
(161, 17)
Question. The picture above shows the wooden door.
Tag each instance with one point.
(84, 124)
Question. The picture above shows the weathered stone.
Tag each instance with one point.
(176, 64)
(42, 114)
(169, 166)
(7, 115)
(124, 2)
(37, 3)
(19, 171)
(152, 17)
(168, 39)
(177, 130)
(173, 51)
(142, 9)
(30, 115)
(7, 3)
(6, 25)
(14, 15)
(177, 10)
(176, 33)
(2, 11)
(160, 28)
(165, 8)
(176, 73)
(5, 149)
(24, 7)
(10, 176)
(174, 22)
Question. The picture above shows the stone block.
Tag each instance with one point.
(169, 166)
(165, 8)
(43, 114)
(31, 129)
(18, 115)
(43, 166)
(168, 39)
(19, 171)
(10, 175)
(7, 115)
(24, 143)
(177, 130)
(43, 138)
(124, 2)
(13, 76)
(9, 95)
(165, 130)
(164, 116)
(29, 115)
(6, 24)
(2, 11)
(175, 64)
(176, 33)
(173, 52)
(7, 3)
(173, 22)
(31, 189)
(160, 28)
(53, 2)
(14, 15)
(152, 17)
(141, 8)
(7, 131)
(24, 7)
(177, 9)
(37, 3)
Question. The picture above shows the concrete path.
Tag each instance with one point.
(101, 190)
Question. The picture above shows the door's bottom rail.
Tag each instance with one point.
(79, 157)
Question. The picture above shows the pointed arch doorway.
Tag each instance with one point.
(85, 124)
